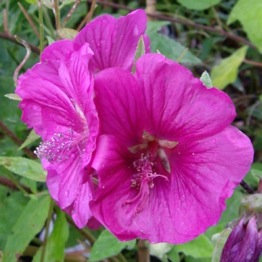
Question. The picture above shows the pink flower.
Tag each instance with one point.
(57, 102)
(167, 158)
(114, 41)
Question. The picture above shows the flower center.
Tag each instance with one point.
(61, 145)
(143, 180)
(152, 163)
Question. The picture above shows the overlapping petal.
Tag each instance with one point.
(57, 101)
(178, 210)
(178, 105)
(120, 105)
(208, 161)
(114, 41)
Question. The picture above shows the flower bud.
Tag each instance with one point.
(244, 243)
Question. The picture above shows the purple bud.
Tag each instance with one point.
(244, 243)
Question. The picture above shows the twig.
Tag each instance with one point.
(150, 7)
(185, 22)
(5, 21)
(56, 12)
(89, 15)
(253, 63)
(11, 38)
(84, 232)
(142, 251)
(71, 11)
(15, 139)
(217, 17)
(28, 52)
(41, 24)
(29, 20)
(10, 184)
(247, 187)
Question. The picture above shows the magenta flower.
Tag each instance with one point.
(57, 102)
(167, 157)
(114, 41)
(244, 243)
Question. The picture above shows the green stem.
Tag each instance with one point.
(84, 231)
(57, 14)
(48, 23)
(41, 24)
(49, 218)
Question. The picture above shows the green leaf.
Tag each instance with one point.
(107, 246)
(24, 167)
(249, 14)
(172, 49)
(198, 4)
(140, 49)
(226, 72)
(232, 210)
(11, 204)
(32, 137)
(31, 1)
(55, 248)
(206, 80)
(201, 247)
(254, 175)
(30, 222)
(173, 255)
(155, 26)
(220, 243)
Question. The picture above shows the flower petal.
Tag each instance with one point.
(179, 106)
(81, 210)
(114, 41)
(119, 105)
(178, 210)
(58, 97)
(64, 180)
(57, 101)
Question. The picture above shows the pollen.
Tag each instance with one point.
(59, 147)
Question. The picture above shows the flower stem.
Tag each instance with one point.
(57, 14)
(143, 251)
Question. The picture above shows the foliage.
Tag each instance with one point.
(220, 37)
